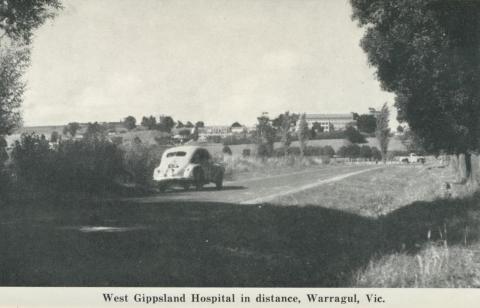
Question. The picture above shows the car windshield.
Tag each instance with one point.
(177, 154)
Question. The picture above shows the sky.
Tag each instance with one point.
(219, 61)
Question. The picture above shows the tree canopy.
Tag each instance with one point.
(130, 122)
(18, 20)
(366, 123)
(427, 53)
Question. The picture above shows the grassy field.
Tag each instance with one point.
(429, 233)
(392, 227)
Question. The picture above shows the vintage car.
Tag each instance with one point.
(186, 166)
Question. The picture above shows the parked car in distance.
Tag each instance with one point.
(186, 166)
(412, 158)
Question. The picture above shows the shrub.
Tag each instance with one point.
(226, 150)
(376, 154)
(336, 134)
(32, 158)
(354, 136)
(366, 152)
(328, 151)
(88, 165)
(140, 160)
(264, 150)
(246, 152)
(85, 165)
(235, 139)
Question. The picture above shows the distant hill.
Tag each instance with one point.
(45, 130)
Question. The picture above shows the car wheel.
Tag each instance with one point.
(219, 182)
(198, 177)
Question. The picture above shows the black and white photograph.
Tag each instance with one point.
(240, 144)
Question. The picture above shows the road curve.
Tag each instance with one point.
(259, 190)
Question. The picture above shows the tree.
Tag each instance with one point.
(166, 123)
(376, 154)
(412, 142)
(284, 123)
(54, 136)
(3, 153)
(184, 132)
(95, 131)
(130, 122)
(352, 151)
(302, 134)
(427, 52)
(365, 152)
(149, 122)
(195, 134)
(264, 136)
(328, 151)
(18, 19)
(189, 124)
(226, 150)
(180, 124)
(383, 131)
(366, 123)
(316, 128)
(200, 124)
(13, 63)
(71, 129)
(353, 135)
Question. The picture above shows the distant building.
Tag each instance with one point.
(330, 122)
(214, 131)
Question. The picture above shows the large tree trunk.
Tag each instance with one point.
(468, 167)
(462, 164)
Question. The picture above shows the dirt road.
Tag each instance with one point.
(260, 189)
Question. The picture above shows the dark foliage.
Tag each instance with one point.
(366, 123)
(89, 165)
(226, 150)
(354, 136)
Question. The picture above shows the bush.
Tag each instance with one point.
(214, 139)
(85, 165)
(354, 136)
(33, 160)
(264, 150)
(88, 165)
(366, 152)
(336, 134)
(246, 152)
(226, 150)
(140, 160)
(328, 151)
(376, 154)
(234, 140)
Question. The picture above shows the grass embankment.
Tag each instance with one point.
(428, 233)
(249, 167)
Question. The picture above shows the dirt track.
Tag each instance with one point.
(259, 190)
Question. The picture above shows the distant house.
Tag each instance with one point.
(330, 122)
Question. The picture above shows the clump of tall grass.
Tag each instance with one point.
(435, 266)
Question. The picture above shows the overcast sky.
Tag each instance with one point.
(217, 61)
